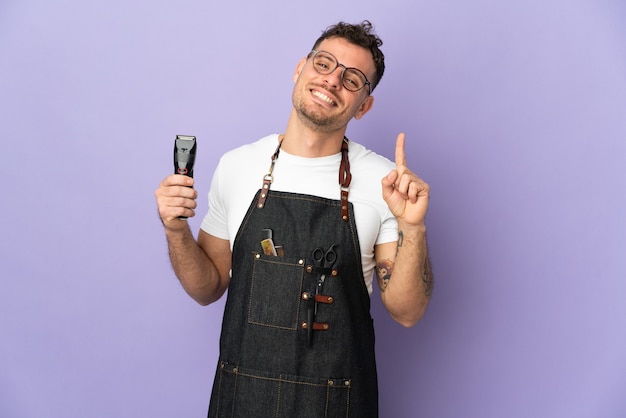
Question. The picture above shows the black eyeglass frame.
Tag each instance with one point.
(314, 52)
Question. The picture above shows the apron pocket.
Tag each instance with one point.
(253, 393)
(275, 291)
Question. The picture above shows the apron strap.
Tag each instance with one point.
(268, 178)
(345, 177)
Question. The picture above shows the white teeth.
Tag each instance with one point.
(323, 97)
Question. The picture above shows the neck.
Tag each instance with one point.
(309, 142)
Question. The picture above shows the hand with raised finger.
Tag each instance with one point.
(176, 199)
(405, 193)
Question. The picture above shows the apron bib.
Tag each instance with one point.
(297, 335)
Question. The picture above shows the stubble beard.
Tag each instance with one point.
(314, 118)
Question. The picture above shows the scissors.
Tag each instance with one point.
(325, 262)
(323, 265)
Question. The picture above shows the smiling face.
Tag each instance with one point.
(320, 100)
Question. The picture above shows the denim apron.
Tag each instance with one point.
(291, 347)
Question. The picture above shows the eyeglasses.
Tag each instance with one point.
(352, 79)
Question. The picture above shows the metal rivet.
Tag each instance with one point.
(305, 296)
(300, 262)
(330, 383)
(326, 326)
(305, 325)
(331, 299)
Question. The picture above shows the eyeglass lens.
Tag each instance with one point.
(352, 78)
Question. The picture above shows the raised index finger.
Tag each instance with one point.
(400, 155)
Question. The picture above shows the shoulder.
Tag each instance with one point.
(260, 149)
(368, 162)
(241, 169)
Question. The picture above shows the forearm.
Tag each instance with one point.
(409, 286)
(196, 272)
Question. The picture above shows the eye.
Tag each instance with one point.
(353, 80)
(324, 63)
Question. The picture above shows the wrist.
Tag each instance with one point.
(175, 226)
(411, 229)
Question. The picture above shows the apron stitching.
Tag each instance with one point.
(278, 397)
(327, 400)
(219, 386)
(232, 413)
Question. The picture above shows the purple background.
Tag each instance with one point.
(515, 113)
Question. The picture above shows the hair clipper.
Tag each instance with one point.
(184, 154)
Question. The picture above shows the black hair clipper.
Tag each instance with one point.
(184, 154)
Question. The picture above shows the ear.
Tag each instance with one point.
(299, 68)
(364, 107)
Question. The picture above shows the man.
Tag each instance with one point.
(302, 222)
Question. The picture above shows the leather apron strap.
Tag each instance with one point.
(345, 177)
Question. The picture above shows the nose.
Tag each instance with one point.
(335, 78)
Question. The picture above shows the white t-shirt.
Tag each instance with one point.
(240, 172)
